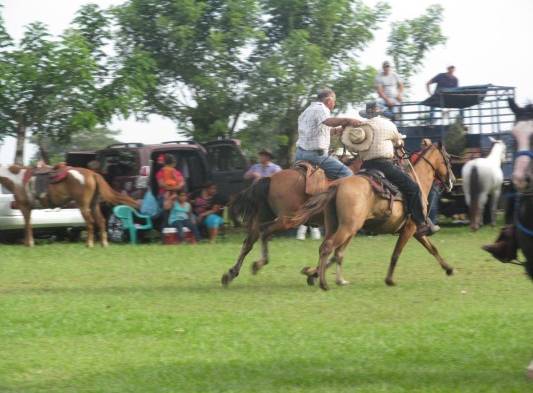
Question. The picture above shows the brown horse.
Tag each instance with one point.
(266, 207)
(352, 204)
(83, 186)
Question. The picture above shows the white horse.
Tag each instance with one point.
(483, 177)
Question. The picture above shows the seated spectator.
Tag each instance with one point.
(265, 167)
(208, 209)
(181, 217)
(169, 180)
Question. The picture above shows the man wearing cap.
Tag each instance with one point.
(375, 142)
(389, 88)
(315, 125)
(444, 80)
(265, 167)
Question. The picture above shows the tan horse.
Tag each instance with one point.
(353, 205)
(83, 186)
(267, 207)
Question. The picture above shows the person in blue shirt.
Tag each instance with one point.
(181, 216)
(444, 80)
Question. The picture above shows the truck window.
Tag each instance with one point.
(225, 158)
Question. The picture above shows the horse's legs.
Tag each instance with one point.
(247, 245)
(341, 236)
(100, 221)
(338, 258)
(88, 217)
(433, 251)
(28, 231)
(408, 230)
(494, 205)
(280, 224)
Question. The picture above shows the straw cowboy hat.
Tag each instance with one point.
(357, 139)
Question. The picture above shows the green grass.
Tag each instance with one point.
(154, 318)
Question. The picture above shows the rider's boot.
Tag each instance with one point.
(427, 229)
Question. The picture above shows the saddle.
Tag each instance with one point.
(45, 176)
(316, 181)
(381, 185)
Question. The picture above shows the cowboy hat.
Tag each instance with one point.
(357, 139)
(266, 152)
(371, 110)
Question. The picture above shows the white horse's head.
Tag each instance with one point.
(523, 133)
(498, 147)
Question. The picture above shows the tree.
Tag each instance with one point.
(55, 88)
(200, 51)
(410, 41)
(96, 139)
(308, 44)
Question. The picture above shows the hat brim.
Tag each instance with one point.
(358, 147)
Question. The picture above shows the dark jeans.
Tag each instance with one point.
(180, 224)
(408, 187)
(433, 201)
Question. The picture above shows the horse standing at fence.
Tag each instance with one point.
(56, 188)
(483, 178)
(353, 204)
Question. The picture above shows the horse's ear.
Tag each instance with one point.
(440, 145)
(492, 140)
(512, 104)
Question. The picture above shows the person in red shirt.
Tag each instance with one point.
(169, 180)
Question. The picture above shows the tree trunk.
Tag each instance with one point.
(43, 151)
(21, 140)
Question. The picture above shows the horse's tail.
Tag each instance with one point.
(475, 191)
(313, 206)
(253, 201)
(111, 196)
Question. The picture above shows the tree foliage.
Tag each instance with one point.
(56, 87)
(410, 40)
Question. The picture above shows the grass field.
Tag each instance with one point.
(154, 318)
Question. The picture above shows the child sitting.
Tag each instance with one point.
(181, 216)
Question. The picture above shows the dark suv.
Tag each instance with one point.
(131, 167)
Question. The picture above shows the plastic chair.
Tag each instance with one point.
(126, 214)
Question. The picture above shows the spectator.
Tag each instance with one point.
(181, 217)
(169, 180)
(207, 209)
(434, 193)
(390, 90)
(444, 80)
(265, 167)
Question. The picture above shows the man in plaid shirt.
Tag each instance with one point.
(315, 125)
(380, 155)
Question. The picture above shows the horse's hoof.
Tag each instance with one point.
(342, 282)
(305, 270)
(390, 282)
(324, 286)
(256, 267)
(226, 279)
(311, 280)
(449, 272)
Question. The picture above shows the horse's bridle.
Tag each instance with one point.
(448, 166)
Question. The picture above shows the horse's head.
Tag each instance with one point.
(443, 167)
(523, 133)
(499, 147)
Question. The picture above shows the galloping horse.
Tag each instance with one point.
(266, 208)
(80, 185)
(523, 180)
(352, 204)
(483, 177)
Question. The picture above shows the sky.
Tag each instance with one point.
(488, 42)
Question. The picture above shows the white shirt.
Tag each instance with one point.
(386, 136)
(312, 134)
(389, 83)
